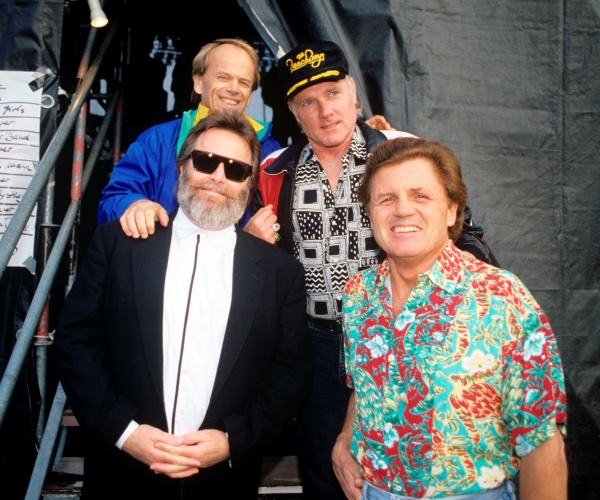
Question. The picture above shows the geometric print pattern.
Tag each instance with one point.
(331, 232)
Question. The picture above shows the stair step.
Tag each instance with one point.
(280, 474)
(280, 478)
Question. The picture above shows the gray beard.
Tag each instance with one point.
(209, 215)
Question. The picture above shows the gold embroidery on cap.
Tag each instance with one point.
(325, 74)
(332, 72)
(299, 84)
(307, 57)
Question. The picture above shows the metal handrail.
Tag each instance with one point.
(11, 236)
(44, 455)
(51, 430)
(22, 213)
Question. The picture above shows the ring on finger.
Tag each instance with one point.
(277, 236)
(275, 227)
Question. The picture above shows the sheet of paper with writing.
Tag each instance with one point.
(20, 105)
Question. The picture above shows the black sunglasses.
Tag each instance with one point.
(207, 163)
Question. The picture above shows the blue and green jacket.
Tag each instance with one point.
(148, 170)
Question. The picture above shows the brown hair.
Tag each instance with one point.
(233, 123)
(396, 151)
(201, 60)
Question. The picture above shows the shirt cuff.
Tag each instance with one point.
(133, 425)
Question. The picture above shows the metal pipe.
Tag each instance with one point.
(42, 341)
(78, 154)
(42, 337)
(47, 446)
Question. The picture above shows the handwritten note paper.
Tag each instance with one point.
(19, 155)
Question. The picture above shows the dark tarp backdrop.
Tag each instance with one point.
(513, 88)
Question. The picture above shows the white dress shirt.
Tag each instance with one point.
(207, 315)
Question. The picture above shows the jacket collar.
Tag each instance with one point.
(286, 162)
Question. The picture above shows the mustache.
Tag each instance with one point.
(212, 186)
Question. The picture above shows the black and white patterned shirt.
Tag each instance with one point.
(332, 233)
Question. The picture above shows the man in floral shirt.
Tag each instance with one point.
(455, 370)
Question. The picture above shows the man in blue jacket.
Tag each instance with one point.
(141, 187)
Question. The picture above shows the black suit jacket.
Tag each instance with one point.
(108, 352)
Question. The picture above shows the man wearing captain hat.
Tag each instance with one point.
(309, 191)
(323, 62)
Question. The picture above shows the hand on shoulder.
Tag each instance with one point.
(139, 218)
(378, 122)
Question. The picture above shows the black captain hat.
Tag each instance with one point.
(311, 63)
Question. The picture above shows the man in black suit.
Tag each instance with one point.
(184, 355)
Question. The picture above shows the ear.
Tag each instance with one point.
(197, 83)
(352, 83)
(452, 208)
(292, 109)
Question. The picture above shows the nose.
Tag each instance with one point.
(233, 86)
(219, 173)
(325, 109)
(403, 207)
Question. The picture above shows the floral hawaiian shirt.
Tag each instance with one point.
(466, 379)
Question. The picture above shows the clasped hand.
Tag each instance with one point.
(177, 456)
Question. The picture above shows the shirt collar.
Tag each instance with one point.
(203, 113)
(446, 273)
(358, 147)
(183, 227)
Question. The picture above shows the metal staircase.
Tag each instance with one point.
(52, 435)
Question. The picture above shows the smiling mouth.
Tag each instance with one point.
(229, 102)
(405, 229)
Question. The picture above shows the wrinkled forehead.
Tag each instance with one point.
(413, 174)
(322, 88)
(229, 56)
(225, 143)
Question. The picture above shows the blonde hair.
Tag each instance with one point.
(201, 61)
